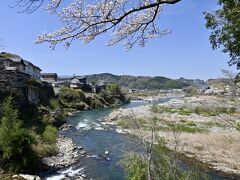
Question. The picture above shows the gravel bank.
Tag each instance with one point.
(68, 153)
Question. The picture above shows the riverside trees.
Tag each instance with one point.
(16, 153)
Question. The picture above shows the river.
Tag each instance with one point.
(104, 147)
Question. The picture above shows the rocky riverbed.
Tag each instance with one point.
(68, 154)
(209, 138)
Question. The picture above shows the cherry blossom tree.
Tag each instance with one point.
(129, 21)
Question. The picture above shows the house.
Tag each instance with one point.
(49, 77)
(32, 70)
(20, 76)
(74, 82)
(101, 85)
(79, 82)
(12, 62)
(63, 81)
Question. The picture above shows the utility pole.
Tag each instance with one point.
(2, 45)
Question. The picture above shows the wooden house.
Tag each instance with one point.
(49, 77)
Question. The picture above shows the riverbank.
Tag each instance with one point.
(205, 136)
(43, 120)
(68, 153)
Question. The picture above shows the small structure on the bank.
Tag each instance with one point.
(99, 86)
(74, 82)
(79, 82)
(49, 77)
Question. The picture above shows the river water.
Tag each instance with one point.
(105, 148)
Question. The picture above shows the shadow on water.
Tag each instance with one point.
(104, 148)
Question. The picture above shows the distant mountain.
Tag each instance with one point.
(145, 82)
(198, 83)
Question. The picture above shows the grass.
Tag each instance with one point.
(190, 127)
(197, 110)
(47, 145)
(181, 126)
(164, 125)
(182, 120)
(131, 123)
(45, 150)
(50, 135)
(191, 123)
(124, 124)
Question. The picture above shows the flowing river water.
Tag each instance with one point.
(105, 148)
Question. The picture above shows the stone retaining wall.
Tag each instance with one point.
(19, 85)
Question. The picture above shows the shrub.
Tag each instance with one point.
(197, 110)
(182, 120)
(222, 110)
(50, 135)
(232, 110)
(45, 150)
(185, 111)
(191, 123)
(15, 141)
(131, 123)
(136, 166)
(68, 95)
(95, 103)
(163, 165)
(123, 124)
(54, 104)
(114, 89)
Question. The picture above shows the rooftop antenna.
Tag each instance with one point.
(2, 46)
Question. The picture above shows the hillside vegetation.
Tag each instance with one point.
(78, 100)
(142, 82)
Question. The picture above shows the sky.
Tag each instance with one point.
(186, 52)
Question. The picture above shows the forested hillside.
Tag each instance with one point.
(142, 82)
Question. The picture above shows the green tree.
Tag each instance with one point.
(225, 26)
(114, 89)
(16, 152)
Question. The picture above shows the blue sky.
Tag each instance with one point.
(186, 52)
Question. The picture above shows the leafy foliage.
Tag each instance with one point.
(114, 89)
(164, 166)
(50, 135)
(15, 142)
(136, 167)
(71, 95)
(225, 26)
(54, 104)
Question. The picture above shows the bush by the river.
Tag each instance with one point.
(163, 165)
(77, 99)
(16, 153)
